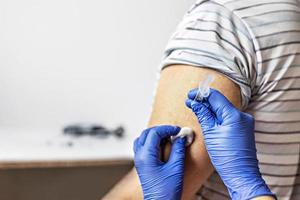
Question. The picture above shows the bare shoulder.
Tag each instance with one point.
(174, 84)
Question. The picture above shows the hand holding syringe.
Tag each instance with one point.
(230, 142)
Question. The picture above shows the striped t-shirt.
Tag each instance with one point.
(256, 43)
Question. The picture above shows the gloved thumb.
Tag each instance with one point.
(178, 151)
(205, 116)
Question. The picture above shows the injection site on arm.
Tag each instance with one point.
(203, 91)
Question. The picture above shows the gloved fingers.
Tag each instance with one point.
(219, 104)
(201, 109)
(158, 133)
(215, 98)
(143, 136)
(178, 151)
(191, 97)
(188, 103)
(140, 141)
(192, 94)
(136, 145)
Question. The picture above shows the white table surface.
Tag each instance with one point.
(16, 145)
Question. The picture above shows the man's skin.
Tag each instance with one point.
(169, 108)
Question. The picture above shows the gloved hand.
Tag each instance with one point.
(230, 142)
(159, 180)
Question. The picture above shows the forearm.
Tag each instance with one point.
(127, 189)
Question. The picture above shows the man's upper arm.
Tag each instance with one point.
(169, 108)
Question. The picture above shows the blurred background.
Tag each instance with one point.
(67, 62)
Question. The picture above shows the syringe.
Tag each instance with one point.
(204, 89)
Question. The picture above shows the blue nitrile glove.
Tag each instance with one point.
(229, 140)
(159, 180)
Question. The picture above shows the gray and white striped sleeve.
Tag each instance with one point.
(212, 36)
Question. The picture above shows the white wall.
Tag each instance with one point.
(81, 60)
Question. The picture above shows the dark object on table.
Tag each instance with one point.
(93, 130)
